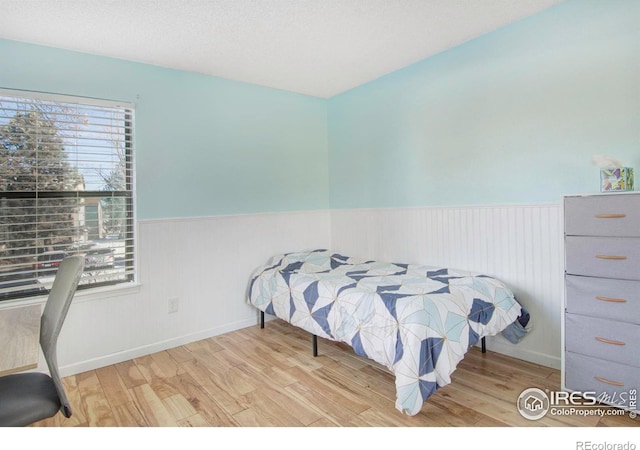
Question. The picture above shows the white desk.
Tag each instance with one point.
(19, 338)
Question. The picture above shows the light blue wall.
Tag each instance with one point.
(511, 117)
(204, 145)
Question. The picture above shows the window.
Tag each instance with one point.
(66, 187)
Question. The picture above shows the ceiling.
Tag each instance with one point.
(314, 47)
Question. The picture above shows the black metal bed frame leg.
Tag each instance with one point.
(314, 337)
(484, 345)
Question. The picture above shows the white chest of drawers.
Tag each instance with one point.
(601, 332)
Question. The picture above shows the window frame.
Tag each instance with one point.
(130, 281)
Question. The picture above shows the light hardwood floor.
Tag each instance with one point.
(268, 378)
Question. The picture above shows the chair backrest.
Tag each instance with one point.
(55, 312)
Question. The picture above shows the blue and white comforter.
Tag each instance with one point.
(416, 320)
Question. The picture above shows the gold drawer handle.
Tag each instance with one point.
(610, 300)
(610, 216)
(613, 383)
(613, 257)
(609, 341)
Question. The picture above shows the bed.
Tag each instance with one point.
(416, 320)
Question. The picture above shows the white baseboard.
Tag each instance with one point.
(129, 354)
(524, 354)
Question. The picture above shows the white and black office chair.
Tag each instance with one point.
(28, 397)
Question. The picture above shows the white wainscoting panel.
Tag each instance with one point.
(519, 244)
(206, 263)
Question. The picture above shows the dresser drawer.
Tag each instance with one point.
(610, 381)
(603, 215)
(603, 338)
(603, 257)
(603, 297)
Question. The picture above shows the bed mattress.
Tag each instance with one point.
(416, 320)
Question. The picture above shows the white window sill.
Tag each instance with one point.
(100, 293)
(81, 295)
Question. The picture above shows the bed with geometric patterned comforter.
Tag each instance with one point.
(416, 320)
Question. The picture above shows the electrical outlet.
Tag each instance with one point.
(173, 304)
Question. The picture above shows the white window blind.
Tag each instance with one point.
(66, 187)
